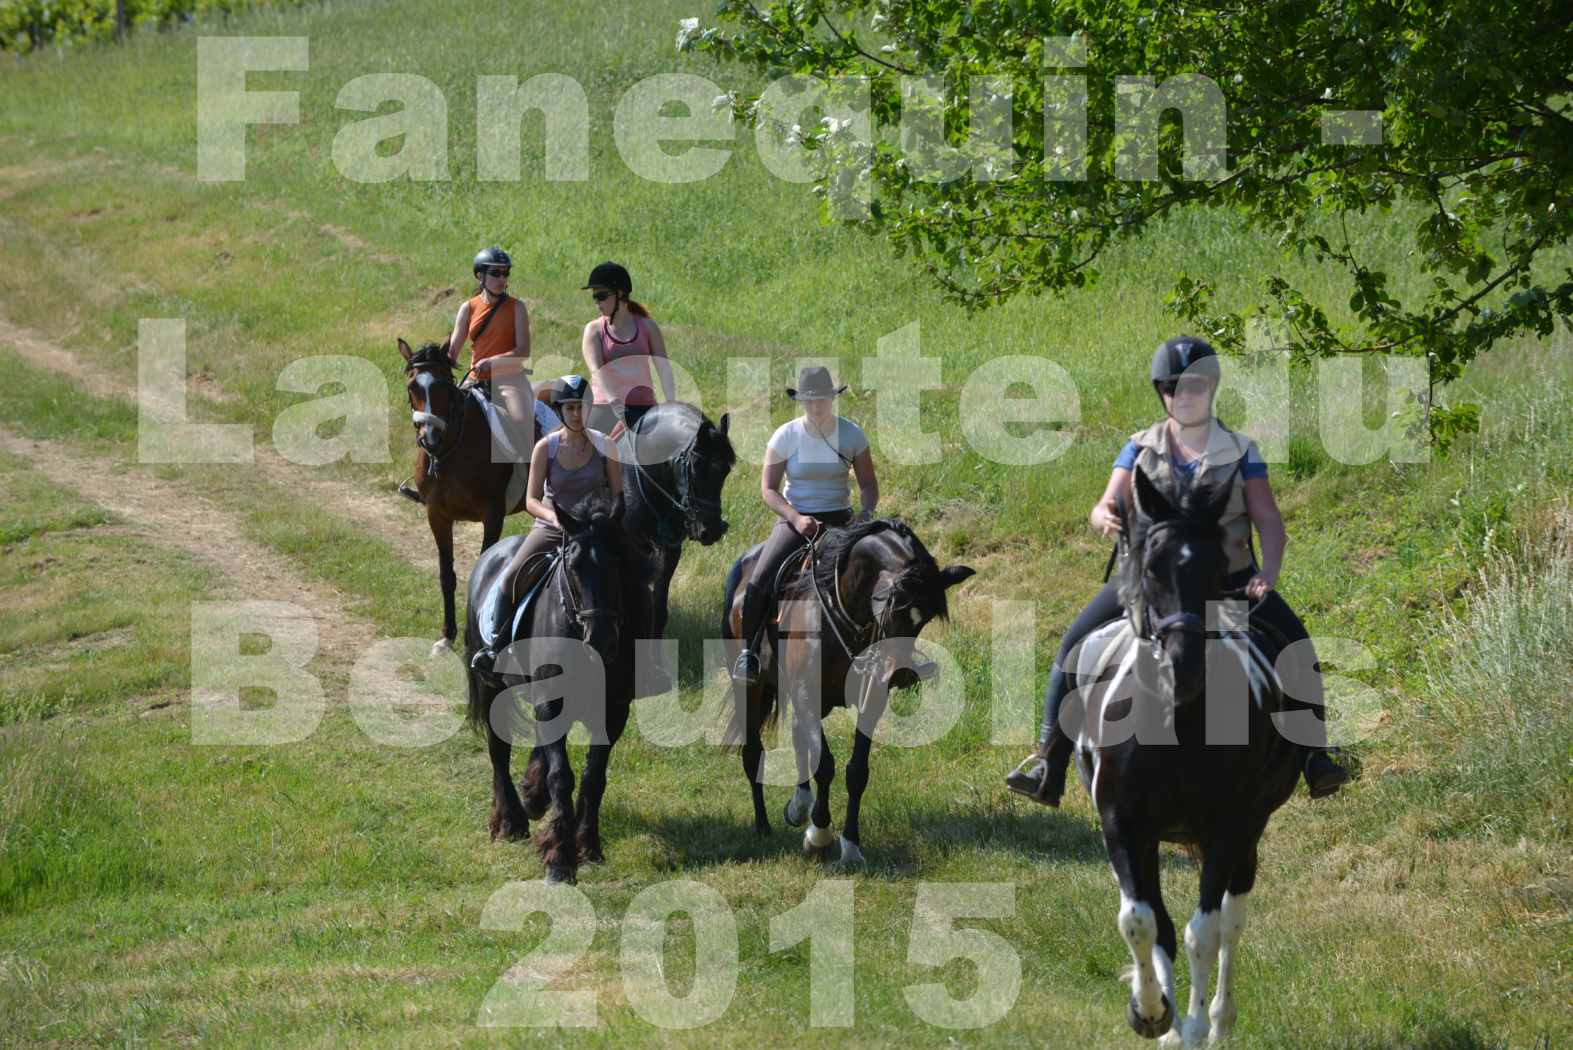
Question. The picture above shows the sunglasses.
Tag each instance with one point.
(496, 272)
(601, 296)
(1169, 387)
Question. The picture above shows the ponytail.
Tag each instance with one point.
(636, 308)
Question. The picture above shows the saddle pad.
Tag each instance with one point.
(504, 443)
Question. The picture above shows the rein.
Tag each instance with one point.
(669, 531)
(446, 447)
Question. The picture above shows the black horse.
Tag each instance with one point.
(674, 463)
(580, 597)
(867, 592)
(1151, 684)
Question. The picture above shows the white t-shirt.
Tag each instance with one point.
(816, 477)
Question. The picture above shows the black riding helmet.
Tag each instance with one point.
(570, 388)
(611, 275)
(489, 257)
(1181, 356)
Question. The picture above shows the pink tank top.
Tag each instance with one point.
(625, 365)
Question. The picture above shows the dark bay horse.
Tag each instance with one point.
(572, 630)
(1141, 721)
(462, 483)
(868, 592)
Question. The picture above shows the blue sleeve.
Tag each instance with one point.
(1126, 460)
(1254, 466)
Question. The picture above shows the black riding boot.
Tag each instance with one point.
(1323, 775)
(746, 668)
(1041, 775)
(493, 622)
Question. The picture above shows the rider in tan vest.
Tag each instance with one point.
(1189, 447)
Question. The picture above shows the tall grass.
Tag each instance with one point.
(1501, 683)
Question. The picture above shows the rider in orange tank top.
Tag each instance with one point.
(497, 327)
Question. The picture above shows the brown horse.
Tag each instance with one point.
(874, 586)
(462, 483)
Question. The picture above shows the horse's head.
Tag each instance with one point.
(591, 542)
(905, 585)
(433, 395)
(687, 459)
(1175, 563)
(708, 466)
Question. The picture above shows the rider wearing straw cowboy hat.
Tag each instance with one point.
(813, 454)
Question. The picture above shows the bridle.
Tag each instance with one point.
(572, 603)
(451, 434)
(688, 504)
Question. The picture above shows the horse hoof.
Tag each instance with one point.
(851, 854)
(591, 855)
(762, 828)
(1149, 1029)
(560, 875)
(797, 808)
(440, 646)
(817, 843)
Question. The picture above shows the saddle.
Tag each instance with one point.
(530, 582)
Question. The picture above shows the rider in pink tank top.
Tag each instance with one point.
(621, 348)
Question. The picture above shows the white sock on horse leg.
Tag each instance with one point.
(1139, 927)
(1231, 927)
(818, 837)
(1201, 947)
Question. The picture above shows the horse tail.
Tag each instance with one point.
(733, 577)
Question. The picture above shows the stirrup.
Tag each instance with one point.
(484, 665)
(410, 492)
(745, 668)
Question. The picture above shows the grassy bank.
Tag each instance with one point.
(331, 891)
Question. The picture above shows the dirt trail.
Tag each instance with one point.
(167, 515)
(401, 524)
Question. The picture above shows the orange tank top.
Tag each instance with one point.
(498, 338)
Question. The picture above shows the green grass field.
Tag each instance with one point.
(331, 891)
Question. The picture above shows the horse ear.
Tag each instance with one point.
(954, 574)
(565, 518)
(1149, 500)
(726, 419)
(404, 348)
(446, 343)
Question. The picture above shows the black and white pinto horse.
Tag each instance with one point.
(1144, 756)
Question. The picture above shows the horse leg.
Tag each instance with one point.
(1231, 926)
(491, 526)
(754, 754)
(508, 819)
(1147, 929)
(532, 786)
(808, 741)
(558, 841)
(442, 532)
(857, 781)
(818, 838)
(593, 787)
(1202, 938)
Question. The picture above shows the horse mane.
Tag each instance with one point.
(1194, 512)
(921, 570)
(430, 355)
